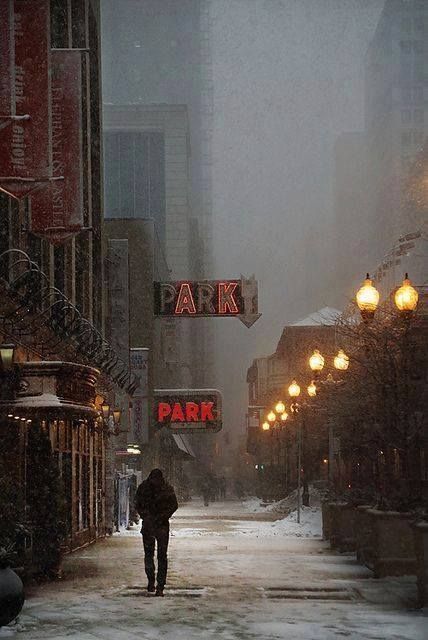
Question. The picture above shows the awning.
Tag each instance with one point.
(183, 444)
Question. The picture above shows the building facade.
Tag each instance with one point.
(51, 268)
(396, 97)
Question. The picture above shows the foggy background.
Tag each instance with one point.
(288, 78)
(270, 84)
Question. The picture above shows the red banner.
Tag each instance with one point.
(57, 211)
(24, 95)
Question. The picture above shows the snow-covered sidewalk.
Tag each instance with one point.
(234, 581)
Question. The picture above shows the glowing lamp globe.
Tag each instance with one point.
(284, 416)
(341, 361)
(312, 390)
(316, 361)
(280, 407)
(271, 416)
(367, 298)
(294, 390)
(265, 426)
(406, 297)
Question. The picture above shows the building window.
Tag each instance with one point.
(418, 137)
(406, 25)
(135, 176)
(418, 94)
(59, 24)
(406, 95)
(406, 138)
(406, 46)
(419, 23)
(418, 47)
(418, 116)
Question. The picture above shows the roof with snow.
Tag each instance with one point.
(325, 316)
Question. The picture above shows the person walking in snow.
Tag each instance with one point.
(155, 501)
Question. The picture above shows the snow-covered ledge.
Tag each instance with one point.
(54, 387)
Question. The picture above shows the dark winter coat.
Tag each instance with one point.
(155, 503)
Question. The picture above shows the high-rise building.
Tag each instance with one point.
(396, 113)
(156, 70)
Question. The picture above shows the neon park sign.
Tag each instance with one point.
(184, 410)
(208, 298)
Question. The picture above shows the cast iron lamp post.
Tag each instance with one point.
(341, 363)
(294, 393)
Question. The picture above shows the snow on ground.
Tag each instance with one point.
(310, 525)
(229, 583)
(284, 506)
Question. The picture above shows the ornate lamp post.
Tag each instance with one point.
(367, 299)
(406, 298)
(294, 393)
(341, 363)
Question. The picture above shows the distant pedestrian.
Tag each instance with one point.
(155, 501)
(206, 491)
(222, 485)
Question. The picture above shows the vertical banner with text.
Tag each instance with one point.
(24, 95)
(140, 401)
(57, 211)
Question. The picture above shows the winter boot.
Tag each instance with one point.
(159, 592)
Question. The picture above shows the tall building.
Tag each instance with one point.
(396, 113)
(157, 64)
(56, 366)
(147, 157)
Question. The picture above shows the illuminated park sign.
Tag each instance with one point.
(184, 410)
(208, 298)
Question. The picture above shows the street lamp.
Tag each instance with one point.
(316, 361)
(284, 416)
(105, 410)
(312, 389)
(265, 426)
(294, 390)
(406, 297)
(117, 413)
(271, 416)
(367, 299)
(341, 361)
(280, 407)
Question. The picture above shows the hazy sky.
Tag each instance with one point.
(288, 78)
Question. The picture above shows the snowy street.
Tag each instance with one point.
(234, 573)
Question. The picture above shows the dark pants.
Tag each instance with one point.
(158, 534)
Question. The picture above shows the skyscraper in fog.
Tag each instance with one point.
(156, 66)
(396, 112)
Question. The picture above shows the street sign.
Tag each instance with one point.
(184, 410)
(208, 298)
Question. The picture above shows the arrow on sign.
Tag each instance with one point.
(250, 296)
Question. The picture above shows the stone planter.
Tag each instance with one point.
(11, 596)
(342, 533)
(420, 531)
(364, 536)
(393, 543)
